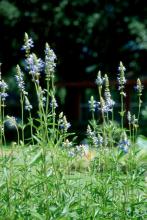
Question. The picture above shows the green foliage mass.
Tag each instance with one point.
(10, 12)
(112, 186)
(92, 32)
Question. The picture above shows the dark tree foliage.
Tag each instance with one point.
(87, 35)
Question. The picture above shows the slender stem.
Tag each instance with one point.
(31, 127)
(47, 99)
(133, 131)
(122, 112)
(130, 131)
(53, 110)
(42, 115)
(103, 116)
(1, 139)
(45, 120)
(3, 115)
(104, 130)
(139, 106)
(53, 115)
(22, 116)
(18, 138)
(100, 96)
(52, 83)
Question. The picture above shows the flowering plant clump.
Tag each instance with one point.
(106, 134)
(47, 174)
(98, 134)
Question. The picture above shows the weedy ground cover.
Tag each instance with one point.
(50, 176)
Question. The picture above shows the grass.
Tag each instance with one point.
(110, 186)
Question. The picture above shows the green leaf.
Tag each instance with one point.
(36, 158)
(37, 215)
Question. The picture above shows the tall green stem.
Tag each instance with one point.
(138, 116)
(18, 138)
(42, 114)
(103, 116)
(3, 116)
(1, 142)
(22, 116)
(47, 99)
(122, 111)
(31, 127)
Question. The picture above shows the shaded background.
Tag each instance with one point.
(87, 36)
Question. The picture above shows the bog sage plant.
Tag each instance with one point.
(122, 81)
(3, 96)
(105, 106)
(51, 176)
